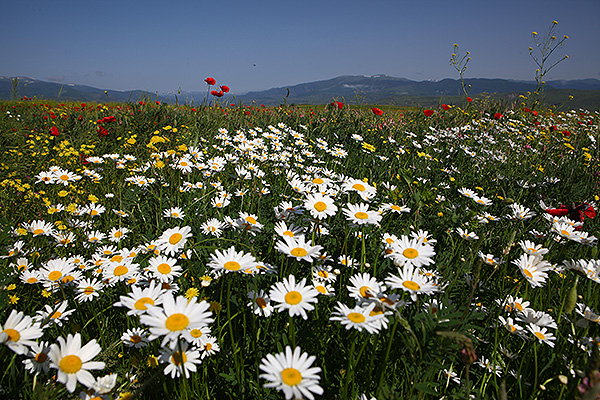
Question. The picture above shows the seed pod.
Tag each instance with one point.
(571, 298)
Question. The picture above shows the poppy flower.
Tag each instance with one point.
(566, 133)
(376, 111)
(446, 107)
(469, 99)
(535, 113)
(428, 113)
(498, 116)
(54, 131)
(214, 92)
(225, 89)
(338, 104)
(102, 131)
(210, 81)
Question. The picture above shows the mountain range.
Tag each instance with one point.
(362, 89)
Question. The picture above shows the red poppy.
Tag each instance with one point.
(54, 131)
(428, 113)
(376, 111)
(214, 92)
(157, 102)
(566, 133)
(210, 81)
(225, 89)
(535, 113)
(82, 105)
(469, 99)
(107, 119)
(102, 131)
(445, 107)
(498, 116)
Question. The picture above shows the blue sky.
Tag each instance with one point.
(254, 45)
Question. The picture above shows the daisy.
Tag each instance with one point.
(468, 236)
(533, 269)
(231, 261)
(520, 212)
(139, 299)
(38, 360)
(292, 373)
(175, 316)
(411, 281)
(181, 361)
(510, 325)
(53, 315)
(358, 318)
(164, 268)
(220, 202)
(41, 227)
(323, 287)
(565, 230)
(19, 331)
(364, 287)
(411, 252)
(489, 259)
(296, 298)
(55, 270)
(172, 240)
(198, 336)
(210, 347)
(539, 318)
(320, 206)
(136, 338)
(542, 334)
(174, 212)
(117, 234)
(533, 249)
(324, 273)
(30, 276)
(359, 214)
(298, 248)
(389, 207)
(120, 271)
(467, 192)
(282, 229)
(212, 227)
(249, 223)
(482, 200)
(88, 289)
(261, 303)
(73, 362)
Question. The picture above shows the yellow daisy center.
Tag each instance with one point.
(293, 297)
(121, 270)
(291, 376)
(288, 233)
(38, 231)
(540, 335)
(358, 186)
(357, 318)
(32, 280)
(70, 364)
(140, 304)
(251, 220)
(175, 238)
(54, 275)
(196, 333)
(527, 273)
(299, 252)
(116, 258)
(361, 215)
(56, 315)
(13, 334)
(321, 289)
(88, 290)
(320, 206)
(41, 357)
(232, 266)
(164, 268)
(411, 285)
(317, 181)
(410, 253)
(177, 322)
(365, 292)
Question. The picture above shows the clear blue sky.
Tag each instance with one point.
(254, 45)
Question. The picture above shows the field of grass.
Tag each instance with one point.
(156, 251)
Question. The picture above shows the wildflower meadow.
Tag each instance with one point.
(153, 250)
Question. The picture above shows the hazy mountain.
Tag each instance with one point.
(29, 87)
(363, 89)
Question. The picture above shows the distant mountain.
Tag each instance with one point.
(29, 87)
(384, 89)
(362, 89)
